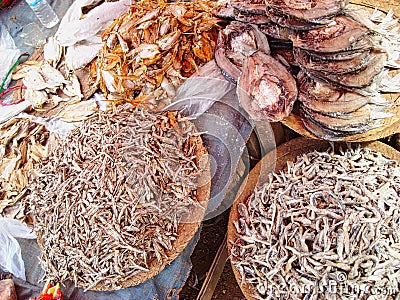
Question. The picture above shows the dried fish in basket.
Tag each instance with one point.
(335, 44)
(324, 225)
(152, 49)
(120, 198)
(360, 67)
(23, 144)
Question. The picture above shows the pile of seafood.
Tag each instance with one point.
(149, 51)
(333, 57)
(47, 81)
(23, 143)
(265, 87)
(326, 227)
(110, 202)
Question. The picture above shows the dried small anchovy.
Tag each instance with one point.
(328, 219)
(110, 199)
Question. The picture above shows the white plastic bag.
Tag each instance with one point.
(9, 54)
(76, 27)
(10, 251)
(54, 125)
(81, 33)
(199, 92)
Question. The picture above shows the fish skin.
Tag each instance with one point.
(226, 12)
(294, 23)
(332, 108)
(320, 131)
(313, 63)
(251, 18)
(276, 31)
(256, 7)
(338, 36)
(336, 127)
(359, 79)
(365, 44)
(266, 90)
(308, 11)
(235, 43)
(228, 69)
(363, 115)
(328, 99)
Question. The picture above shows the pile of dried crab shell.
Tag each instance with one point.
(325, 227)
(334, 57)
(152, 49)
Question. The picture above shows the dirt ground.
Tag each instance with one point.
(212, 235)
(211, 238)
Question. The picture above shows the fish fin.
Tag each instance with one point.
(378, 115)
(388, 84)
(378, 100)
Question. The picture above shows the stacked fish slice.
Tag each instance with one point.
(339, 81)
(339, 54)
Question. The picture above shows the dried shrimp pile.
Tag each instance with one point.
(22, 145)
(339, 54)
(327, 227)
(109, 202)
(153, 48)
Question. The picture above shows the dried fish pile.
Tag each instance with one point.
(110, 202)
(340, 54)
(47, 81)
(357, 67)
(327, 227)
(266, 89)
(22, 145)
(149, 51)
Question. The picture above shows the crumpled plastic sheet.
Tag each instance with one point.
(212, 103)
(165, 286)
(10, 251)
(20, 20)
(8, 55)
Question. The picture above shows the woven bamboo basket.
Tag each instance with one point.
(186, 231)
(285, 153)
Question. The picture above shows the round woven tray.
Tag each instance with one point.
(390, 125)
(186, 231)
(284, 153)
